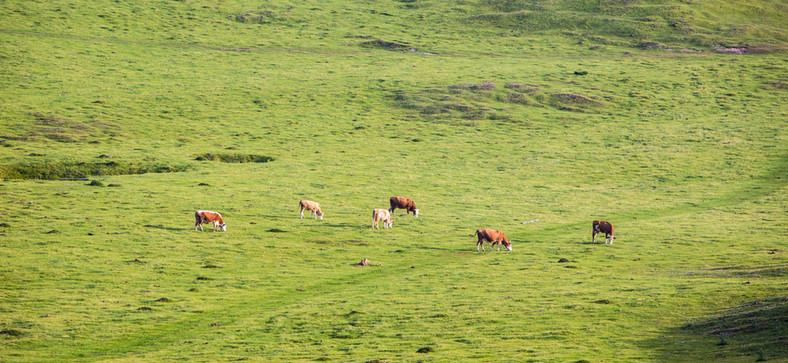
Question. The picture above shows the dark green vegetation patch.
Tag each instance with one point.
(80, 169)
(234, 158)
(387, 45)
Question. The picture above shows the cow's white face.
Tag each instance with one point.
(509, 247)
(416, 213)
(321, 216)
(224, 227)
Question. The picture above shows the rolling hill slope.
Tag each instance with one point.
(488, 113)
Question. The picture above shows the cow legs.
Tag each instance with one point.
(197, 225)
(609, 237)
(593, 237)
(302, 213)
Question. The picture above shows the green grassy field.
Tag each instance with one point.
(487, 113)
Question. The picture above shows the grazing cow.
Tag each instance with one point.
(403, 203)
(381, 215)
(311, 206)
(604, 227)
(204, 216)
(494, 236)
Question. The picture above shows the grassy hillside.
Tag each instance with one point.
(488, 114)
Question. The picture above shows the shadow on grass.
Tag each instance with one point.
(168, 228)
(278, 217)
(333, 225)
(758, 329)
(422, 247)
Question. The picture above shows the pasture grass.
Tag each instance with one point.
(482, 126)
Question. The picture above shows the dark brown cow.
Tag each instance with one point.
(494, 236)
(403, 203)
(204, 216)
(604, 227)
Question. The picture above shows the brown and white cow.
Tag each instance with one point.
(312, 207)
(381, 215)
(494, 236)
(205, 216)
(403, 203)
(603, 227)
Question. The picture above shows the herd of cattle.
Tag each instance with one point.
(493, 236)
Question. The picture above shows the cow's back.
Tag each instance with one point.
(486, 234)
(603, 226)
(402, 203)
(207, 216)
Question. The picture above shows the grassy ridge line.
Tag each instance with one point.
(625, 52)
(173, 45)
(423, 23)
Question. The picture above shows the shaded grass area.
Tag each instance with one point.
(634, 23)
(755, 331)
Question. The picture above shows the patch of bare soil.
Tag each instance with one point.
(747, 49)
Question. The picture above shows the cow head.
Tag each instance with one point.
(506, 244)
(416, 213)
(223, 227)
(320, 214)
